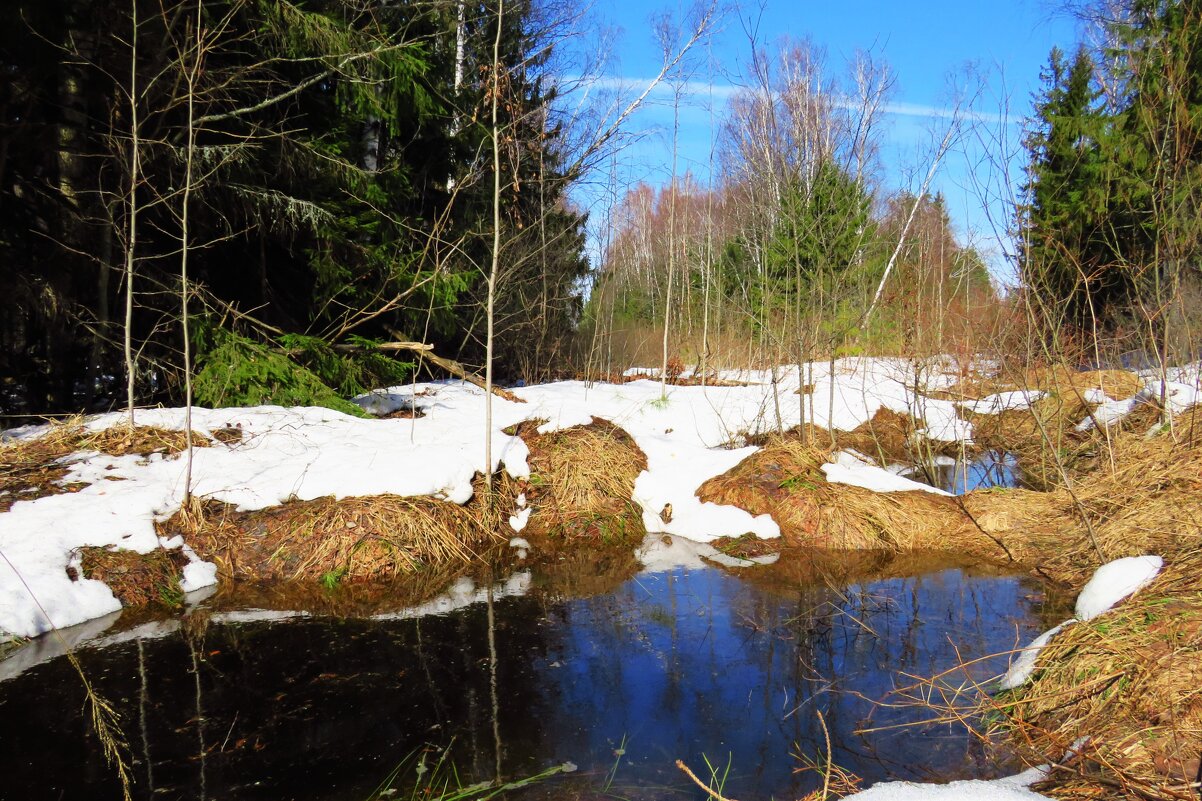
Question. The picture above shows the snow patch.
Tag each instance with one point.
(1010, 788)
(1015, 400)
(1114, 581)
(854, 468)
(1022, 667)
(518, 521)
(198, 573)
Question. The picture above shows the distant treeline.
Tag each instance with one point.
(312, 178)
(797, 251)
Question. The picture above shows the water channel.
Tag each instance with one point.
(695, 663)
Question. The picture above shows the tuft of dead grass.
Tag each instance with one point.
(581, 482)
(888, 437)
(1141, 495)
(1129, 681)
(1044, 437)
(32, 467)
(335, 540)
(784, 480)
(137, 579)
(143, 440)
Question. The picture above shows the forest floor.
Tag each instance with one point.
(93, 514)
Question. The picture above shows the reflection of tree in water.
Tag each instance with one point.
(680, 665)
(307, 709)
(728, 670)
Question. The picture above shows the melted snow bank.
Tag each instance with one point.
(1010, 788)
(1022, 667)
(1114, 581)
(1110, 583)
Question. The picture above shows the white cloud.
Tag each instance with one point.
(701, 92)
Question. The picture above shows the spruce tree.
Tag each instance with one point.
(1066, 259)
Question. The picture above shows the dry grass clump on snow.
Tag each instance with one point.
(1116, 384)
(1046, 439)
(121, 440)
(136, 578)
(32, 466)
(784, 480)
(335, 539)
(888, 437)
(1043, 438)
(581, 482)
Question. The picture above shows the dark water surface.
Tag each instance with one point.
(689, 664)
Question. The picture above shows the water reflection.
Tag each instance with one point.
(991, 468)
(680, 664)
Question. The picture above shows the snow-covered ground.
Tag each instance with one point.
(689, 436)
(1010, 788)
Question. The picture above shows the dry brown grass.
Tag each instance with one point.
(143, 440)
(784, 480)
(1130, 681)
(31, 467)
(1043, 438)
(581, 482)
(1116, 384)
(335, 539)
(1128, 494)
(1139, 495)
(889, 437)
(137, 579)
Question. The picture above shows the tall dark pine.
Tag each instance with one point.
(1066, 259)
(1157, 202)
(542, 265)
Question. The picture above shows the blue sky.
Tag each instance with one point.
(927, 45)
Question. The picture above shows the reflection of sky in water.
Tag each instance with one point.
(687, 664)
(681, 664)
(981, 471)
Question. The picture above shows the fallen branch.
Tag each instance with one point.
(451, 366)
